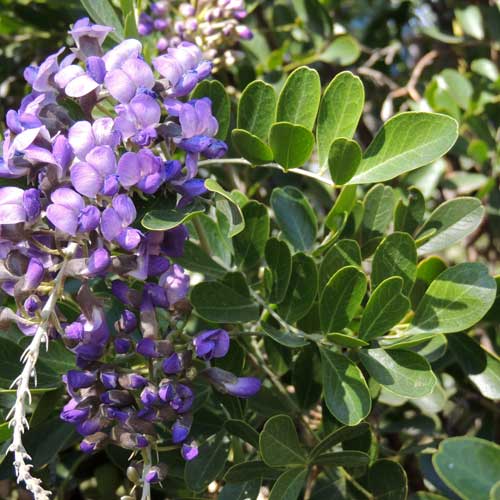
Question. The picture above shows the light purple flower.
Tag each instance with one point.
(143, 170)
(89, 37)
(189, 451)
(176, 282)
(115, 222)
(84, 136)
(98, 262)
(138, 119)
(211, 344)
(75, 81)
(18, 205)
(69, 214)
(128, 49)
(41, 78)
(228, 383)
(97, 174)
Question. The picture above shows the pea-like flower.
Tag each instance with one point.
(211, 344)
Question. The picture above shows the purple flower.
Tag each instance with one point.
(211, 344)
(98, 262)
(75, 81)
(226, 382)
(181, 428)
(122, 345)
(73, 413)
(174, 241)
(145, 25)
(34, 274)
(77, 379)
(172, 364)
(97, 174)
(128, 321)
(153, 475)
(143, 170)
(17, 205)
(179, 396)
(176, 283)
(69, 214)
(147, 348)
(90, 426)
(149, 395)
(109, 379)
(41, 77)
(244, 32)
(138, 119)
(89, 37)
(115, 222)
(84, 136)
(189, 451)
(124, 81)
(133, 381)
(183, 67)
(128, 49)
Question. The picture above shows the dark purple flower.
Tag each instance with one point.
(145, 25)
(90, 426)
(153, 475)
(122, 345)
(133, 381)
(32, 304)
(115, 222)
(117, 397)
(226, 382)
(109, 379)
(96, 68)
(143, 170)
(174, 241)
(147, 348)
(181, 428)
(211, 344)
(189, 451)
(93, 442)
(73, 413)
(128, 321)
(178, 396)
(76, 379)
(149, 395)
(172, 364)
(157, 265)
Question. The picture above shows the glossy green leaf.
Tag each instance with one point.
(299, 98)
(345, 202)
(450, 222)
(251, 147)
(221, 104)
(434, 348)
(387, 480)
(344, 50)
(409, 213)
(288, 339)
(229, 206)
(209, 463)
(102, 12)
(405, 142)
(343, 159)
(279, 443)
(395, 256)
(343, 253)
(279, 261)
(219, 301)
(481, 367)
(341, 298)
(163, 220)
(345, 340)
(306, 377)
(456, 300)
(250, 243)
(378, 211)
(294, 216)
(339, 112)
(252, 469)
(248, 490)
(338, 436)
(345, 391)
(243, 430)
(291, 144)
(469, 466)
(289, 485)
(257, 108)
(343, 459)
(405, 373)
(196, 260)
(427, 271)
(385, 308)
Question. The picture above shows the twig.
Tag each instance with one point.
(146, 487)
(17, 414)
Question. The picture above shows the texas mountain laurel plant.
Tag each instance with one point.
(186, 333)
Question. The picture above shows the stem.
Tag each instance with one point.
(146, 487)
(202, 237)
(17, 414)
(242, 161)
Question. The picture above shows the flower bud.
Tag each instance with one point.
(34, 274)
(132, 381)
(117, 397)
(31, 204)
(189, 451)
(32, 304)
(227, 383)
(172, 364)
(122, 345)
(98, 262)
(96, 68)
(211, 344)
(93, 442)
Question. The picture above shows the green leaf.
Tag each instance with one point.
(250, 243)
(279, 443)
(287, 339)
(405, 142)
(102, 12)
(337, 436)
(378, 210)
(279, 260)
(343, 159)
(221, 105)
(395, 256)
(251, 147)
(343, 459)
(346, 340)
(302, 289)
(289, 485)
(253, 469)
(456, 300)
(196, 260)
(209, 464)
(294, 216)
(387, 480)
(404, 373)
(457, 86)
(345, 391)
(299, 98)
(480, 366)
(306, 377)
(471, 21)
(244, 431)
(249, 490)
(343, 253)
(339, 112)
(409, 214)
(229, 206)
(291, 144)
(385, 308)
(449, 223)
(163, 220)
(469, 466)
(219, 301)
(345, 202)
(344, 50)
(257, 108)
(427, 271)
(130, 26)
(341, 298)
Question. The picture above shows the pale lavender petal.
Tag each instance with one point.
(139, 72)
(129, 170)
(81, 138)
(129, 238)
(104, 133)
(111, 224)
(125, 208)
(68, 198)
(86, 179)
(125, 123)
(62, 151)
(11, 213)
(120, 86)
(169, 68)
(63, 218)
(64, 76)
(146, 109)
(123, 51)
(189, 121)
(38, 154)
(102, 158)
(80, 86)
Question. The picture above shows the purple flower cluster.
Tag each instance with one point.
(134, 137)
(215, 25)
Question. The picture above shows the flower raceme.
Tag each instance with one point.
(134, 134)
